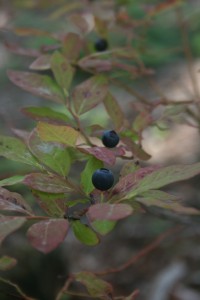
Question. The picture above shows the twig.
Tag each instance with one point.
(146, 250)
(25, 297)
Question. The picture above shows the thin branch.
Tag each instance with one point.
(145, 251)
(25, 297)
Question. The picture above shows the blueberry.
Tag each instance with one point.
(110, 138)
(103, 179)
(101, 45)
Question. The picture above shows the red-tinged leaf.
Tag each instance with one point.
(84, 233)
(72, 45)
(15, 48)
(128, 182)
(37, 84)
(13, 202)
(95, 286)
(24, 31)
(89, 94)
(90, 63)
(163, 6)
(9, 225)
(65, 135)
(166, 201)
(46, 236)
(7, 263)
(136, 149)
(54, 156)
(11, 180)
(80, 22)
(54, 205)
(164, 176)
(86, 176)
(100, 153)
(14, 149)
(62, 71)
(110, 212)
(41, 63)
(142, 121)
(103, 226)
(48, 183)
(46, 114)
(114, 111)
(129, 167)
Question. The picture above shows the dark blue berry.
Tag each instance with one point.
(110, 138)
(101, 45)
(103, 179)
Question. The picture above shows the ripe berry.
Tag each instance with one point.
(103, 179)
(101, 45)
(110, 138)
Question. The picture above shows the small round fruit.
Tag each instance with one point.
(110, 138)
(103, 179)
(101, 45)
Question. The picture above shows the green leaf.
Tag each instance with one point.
(86, 176)
(7, 263)
(61, 134)
(166, 201)
(12, 180)
(54, 205)
(162, 177)
(48, 183)
(45, 114)
(114, 111)
(62, 71)
(103, 226)
(84, 233)
(37, 84)
(54, 156)
(89, 94)
(47, 235)
(95, 286)
(9, 225)
(14, 149)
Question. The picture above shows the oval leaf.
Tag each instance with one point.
(39, 85)
(86, 176)
(12, 180)
(103, 226)
(61, 134)
(84, 233)
(164, 176)
(45, 114)
(95, 286)
(9, 225)
(41, 63)
(49, 183)
(56, 157)
(45, 236)
(7, 263)
(111, 212)
(13, 202)
(89, 94)
(101, 153)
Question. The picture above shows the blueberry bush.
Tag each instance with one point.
(77, 72)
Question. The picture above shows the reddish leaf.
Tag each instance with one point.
(111, 212)
(89, 94)
(39, 85)
(45, 236)
(9, 225)
(90, 63)
(127, 182)
(72, 45)
(136, 149)
(61, 134)
(13, 202)
(49, 183)
(95, 286)
(15, 48)
(101, 153)
(41, 63)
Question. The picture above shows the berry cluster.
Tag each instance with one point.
(103, 178)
